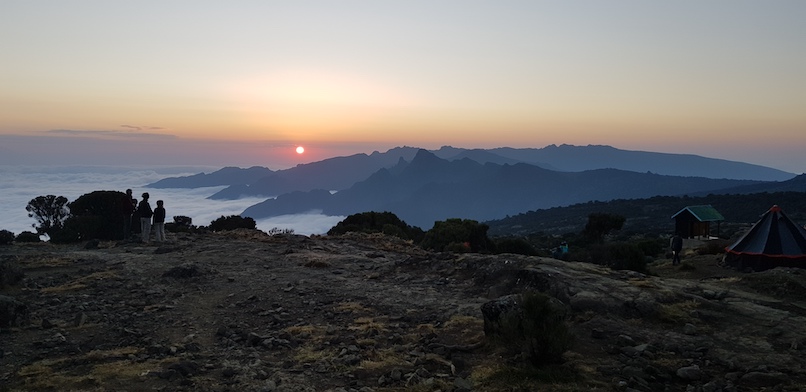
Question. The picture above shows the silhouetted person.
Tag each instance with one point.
(677, 247)
(159, 222)
(127, 206)
(144, 210)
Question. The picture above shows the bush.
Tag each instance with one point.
(27, 236)
(278, 231)
(600, 224)
(181, 220)
(6, 237)
(446, 234)
(377, 222)
(515, 245)
(537, 329)
(10, 273)
(95, 215)
(619, 256)
(181, 224)
(232, 222)
(652, 248)
(713, 247)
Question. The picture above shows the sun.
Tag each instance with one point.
(300, 149)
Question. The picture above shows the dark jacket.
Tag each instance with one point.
(144, 209)
(677, 243)
(127, 205)
(159, 215)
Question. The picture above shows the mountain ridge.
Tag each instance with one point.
(339, 173)
(430, 188)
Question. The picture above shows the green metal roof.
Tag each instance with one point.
(703, 213)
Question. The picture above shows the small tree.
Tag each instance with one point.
(600, 224)
(49, 211)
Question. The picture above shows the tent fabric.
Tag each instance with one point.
(774, 241)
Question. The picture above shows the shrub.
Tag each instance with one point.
(377, 222)
(181, 224)
(27, 236)
(515, 245)
(181, 220)
(232, 222)
(537, 329)
(446, 233)
(620, 256)
(600, 224)
(96, 214)
(713, 247)
(6, 237)
(652, 248)
(278, 231)
(10, 273)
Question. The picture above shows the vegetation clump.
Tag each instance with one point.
(6, 237)
(377, 222)
(537, 329)
(95, 215)
(10, 273)
(518, 246)
(232, 222)
(181, 224)
(27, 236)
(458, 235)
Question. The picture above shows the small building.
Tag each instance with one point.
(695, 221)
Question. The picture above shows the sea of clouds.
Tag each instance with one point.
(21, 184)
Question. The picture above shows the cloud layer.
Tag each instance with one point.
(21, 184)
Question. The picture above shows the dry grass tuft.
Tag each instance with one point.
(677, 312)
(352, 307)
(46, 262)
(369, 326)
(385, 359)
(101, 366)
(464, 328)
(642, 283)
(82, 282)
(311, 353)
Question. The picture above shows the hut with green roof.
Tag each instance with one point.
(695, 221)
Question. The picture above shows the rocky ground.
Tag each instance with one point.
(250, 312)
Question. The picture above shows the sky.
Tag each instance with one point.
(242, 83)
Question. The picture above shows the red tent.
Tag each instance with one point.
(774, 241)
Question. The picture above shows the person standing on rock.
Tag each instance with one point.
(127, 206)
(677, 246)
(145, 212)
(159, 222)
